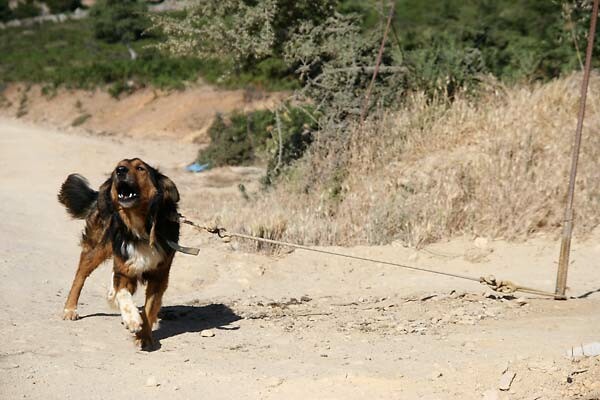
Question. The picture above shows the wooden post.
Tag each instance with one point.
(565, 246)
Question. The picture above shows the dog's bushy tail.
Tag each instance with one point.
(77, 196)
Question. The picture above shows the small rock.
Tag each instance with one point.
(151, 382)
(207, 333)
(413, 257)
(506, 380)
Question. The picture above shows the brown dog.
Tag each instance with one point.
(131, 218)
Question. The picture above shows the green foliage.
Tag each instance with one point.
(26, 9)
(60, 6)
(246, 31)
(68, 54)
(335, 63)
(255, 137)
(297, 129)
(444, 68)
(239, 140)
(6, 13)
(246, 39)
(448, 44)
(119, 20)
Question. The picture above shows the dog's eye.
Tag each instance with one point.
(140, 168)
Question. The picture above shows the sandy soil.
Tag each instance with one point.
(297, 326)
(149, 113)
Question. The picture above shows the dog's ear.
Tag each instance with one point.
(168, 188)
(167, 191)
(105, 204)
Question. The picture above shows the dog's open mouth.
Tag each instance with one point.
(127, 194)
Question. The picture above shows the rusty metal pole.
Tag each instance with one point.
(565, 246)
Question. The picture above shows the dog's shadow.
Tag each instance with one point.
(175, 320)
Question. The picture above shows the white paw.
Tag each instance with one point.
(132, 320)
(71, 315)
(129, 312)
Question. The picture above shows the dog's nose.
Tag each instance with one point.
(121, 170)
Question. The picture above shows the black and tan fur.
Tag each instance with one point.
(130, 218)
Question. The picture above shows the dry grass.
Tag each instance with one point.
(495, 168)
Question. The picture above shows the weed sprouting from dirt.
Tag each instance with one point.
(435, 169)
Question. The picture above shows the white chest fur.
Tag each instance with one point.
(142, 257)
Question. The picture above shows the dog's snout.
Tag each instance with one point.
(121, 171)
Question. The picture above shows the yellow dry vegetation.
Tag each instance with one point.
(496, 166)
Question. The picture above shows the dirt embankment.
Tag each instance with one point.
(151, 113)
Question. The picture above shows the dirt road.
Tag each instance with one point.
(299, 326)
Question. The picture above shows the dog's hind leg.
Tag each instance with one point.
(90, 259)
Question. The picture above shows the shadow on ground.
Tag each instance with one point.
(176, 320)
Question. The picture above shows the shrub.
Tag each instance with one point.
(329, 52)
(247, 31)
(297, 129)
(6, 13)
(26, 9)
(254, 137)
(68, 54)
(119, 20)
(60, 6)
(335, 63)
(239, 140)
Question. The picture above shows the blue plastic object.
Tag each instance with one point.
(195, 167)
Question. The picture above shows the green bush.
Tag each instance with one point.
(254, 137)
(68, 54)
(239, 140)
(6, 13)
(444, 68)
(26, 9)
(119, 20)
(60, 6)
(296, 136)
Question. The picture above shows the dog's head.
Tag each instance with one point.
(135, 186)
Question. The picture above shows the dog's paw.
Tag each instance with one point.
(112, 300)
(132, 320)
(70, 314)
(145, 343)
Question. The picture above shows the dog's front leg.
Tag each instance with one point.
(124, 287)
(91, 257)
(157, 284)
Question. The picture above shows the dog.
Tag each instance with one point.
(133, 219)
